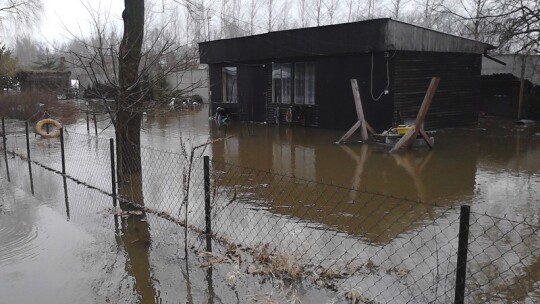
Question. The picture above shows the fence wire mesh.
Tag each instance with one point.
(368, 247)
(504, 260)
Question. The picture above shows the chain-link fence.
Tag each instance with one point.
(367, 247)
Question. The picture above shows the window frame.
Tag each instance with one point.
(226, 78)
(306, 71)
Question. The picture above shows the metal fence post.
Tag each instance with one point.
(95, 122)
(62, 152)
(461, 270)
(63, 155)
(29, 159)
(87, 122)
(207, 206)
(5, 148)
(113, 172)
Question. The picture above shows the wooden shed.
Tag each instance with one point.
(51, 81)
(302, 76)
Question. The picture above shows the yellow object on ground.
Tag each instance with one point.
(403, 129)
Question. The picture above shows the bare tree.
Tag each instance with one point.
(270, 8)
(129, 68)
(303, 13)
(371, 8)
(254, 7)
(332, 7)
(274, 9)
(21, 12)
(431, 14)
(350, 14)
(520, 30)
(318, 6)
(472, 19)
(397, 7)
(200, 13)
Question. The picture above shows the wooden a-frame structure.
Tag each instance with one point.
(409, 138)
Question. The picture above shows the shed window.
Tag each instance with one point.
(293, 83)
(286, 83)
(304, 83)
(276, 82)
(230, 91)
(310, 83)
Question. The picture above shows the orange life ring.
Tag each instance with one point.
(48, 121)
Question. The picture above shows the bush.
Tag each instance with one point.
(31, 105)
(196, 98)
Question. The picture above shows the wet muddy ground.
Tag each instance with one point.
(77, 252)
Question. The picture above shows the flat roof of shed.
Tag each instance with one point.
(373, 35)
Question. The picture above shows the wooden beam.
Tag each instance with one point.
(410, 137)
(359, 109)
(350, 132)
(426, 138)
(361, 123)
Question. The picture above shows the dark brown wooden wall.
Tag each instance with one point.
(334, 93)
(457, 100)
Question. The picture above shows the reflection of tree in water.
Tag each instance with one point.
(135, 238)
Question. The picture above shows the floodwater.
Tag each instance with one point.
(67, 247)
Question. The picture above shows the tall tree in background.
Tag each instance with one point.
(254, 7)
(318, 13)
(477, 18)
(332, 9)
(303, 13)
(397, 8)
(270, 9)
(7, 70)
(520, 31)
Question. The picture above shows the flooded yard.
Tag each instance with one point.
(352, 221)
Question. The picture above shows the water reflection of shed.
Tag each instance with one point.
(302, 76)
(301, 155)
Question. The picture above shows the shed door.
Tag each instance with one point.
(252, 84)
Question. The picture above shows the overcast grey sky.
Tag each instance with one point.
(61, 15)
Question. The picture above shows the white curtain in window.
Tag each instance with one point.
(276, 83)
(286, 83)
(299, 82)
(310, 83)
(230, 91)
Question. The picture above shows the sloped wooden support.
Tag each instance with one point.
(409, 138)
(361, 123)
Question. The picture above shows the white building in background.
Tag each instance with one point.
(514, 64)
(193, 82)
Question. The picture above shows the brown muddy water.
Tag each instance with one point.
(59, 248)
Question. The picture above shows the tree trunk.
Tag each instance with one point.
(130, 97)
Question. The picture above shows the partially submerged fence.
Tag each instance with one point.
(367, 247)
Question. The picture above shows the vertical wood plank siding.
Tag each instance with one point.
(457, 101)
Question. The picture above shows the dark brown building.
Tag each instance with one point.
(51, 81)
(302, 76)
